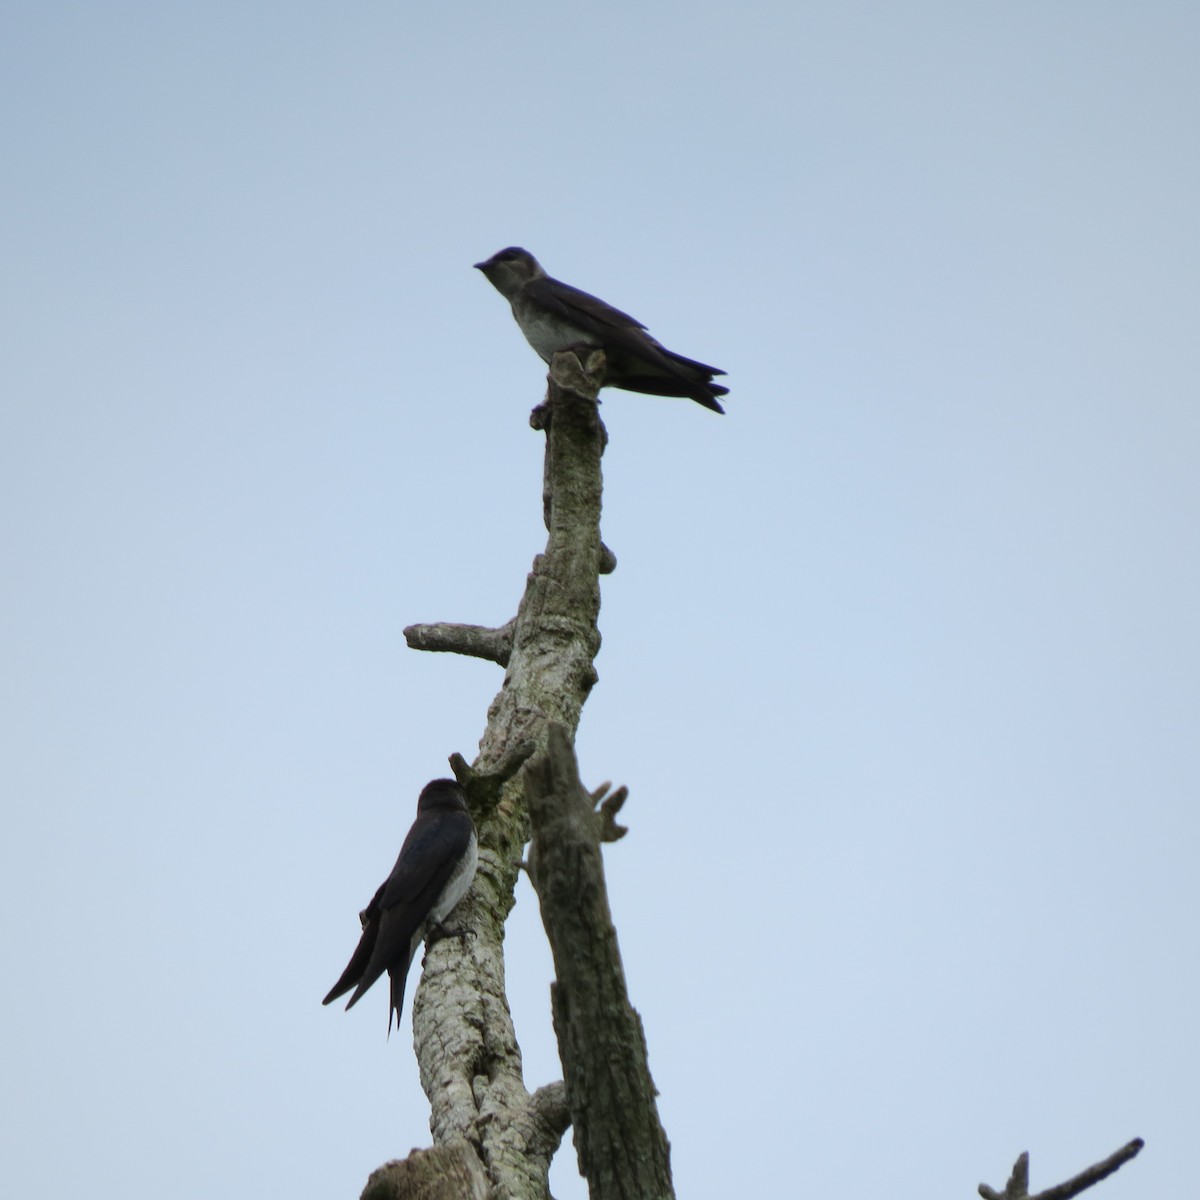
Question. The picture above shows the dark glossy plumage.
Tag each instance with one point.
(555, 316)
(432, 873)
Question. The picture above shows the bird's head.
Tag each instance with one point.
(443, 795)
(510, 269)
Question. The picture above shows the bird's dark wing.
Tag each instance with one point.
(691, 364)
(636, 361)
(618, 331)
(399, 979)
(369, 917)
(579, 307)
(432, 850)
(667, 385)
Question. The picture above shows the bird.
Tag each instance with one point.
(555, 316)
(432, 873)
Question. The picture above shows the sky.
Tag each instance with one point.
(901, 660)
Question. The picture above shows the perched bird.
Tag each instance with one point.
(554, 316)
(436, 865)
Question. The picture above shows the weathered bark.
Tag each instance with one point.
(600, 1038)
(475, 640)
(451, 1171)
(467, 1052)
(1017, 1187)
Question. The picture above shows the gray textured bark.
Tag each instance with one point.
(1017, 1187)
(600, 1038)
(451, 1171)
(467, 1052)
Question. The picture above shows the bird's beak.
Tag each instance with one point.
(483, 266)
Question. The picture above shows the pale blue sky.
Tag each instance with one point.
(900, 661)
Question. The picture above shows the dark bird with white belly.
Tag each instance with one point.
(555, 316)
(436, 865)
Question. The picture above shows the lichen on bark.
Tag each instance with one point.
(467, 1051)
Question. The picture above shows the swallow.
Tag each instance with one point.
(555, 316)
(436, 865)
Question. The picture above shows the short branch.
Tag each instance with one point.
(610, 803)
(476, 641)
(549, 1105)
(1017, 1187)
(450, 1171)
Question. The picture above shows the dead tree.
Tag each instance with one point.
(493, 1138)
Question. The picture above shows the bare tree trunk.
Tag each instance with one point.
(493, 1138)
(486, 1124)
